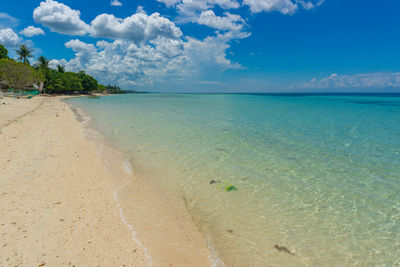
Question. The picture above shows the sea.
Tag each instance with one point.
(270, 179)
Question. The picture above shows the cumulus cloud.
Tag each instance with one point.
(189, 8)
(361, 81)
(229, 22)
(151, 64)
(32, 31)
(147, 50)
(200, 4)
(84, 52)
(201, 12)
(9, 38)
(60, 18)
(283, 6)
(115, 3)
(150, 51)
(169, 3)
(138, 27)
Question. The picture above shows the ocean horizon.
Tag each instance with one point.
(270, 178)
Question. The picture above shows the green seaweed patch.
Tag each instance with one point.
(230, 188)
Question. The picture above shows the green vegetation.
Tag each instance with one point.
(3, 52)
(112, 89)
(60, 68)
(24, 52)
(19, 76)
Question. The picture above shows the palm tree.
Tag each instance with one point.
(60, 68)
(24, 52)
(43, 63)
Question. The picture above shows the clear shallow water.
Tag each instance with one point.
(319, 175)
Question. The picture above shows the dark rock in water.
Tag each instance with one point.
(283, 249)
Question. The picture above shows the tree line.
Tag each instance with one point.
(21, 75)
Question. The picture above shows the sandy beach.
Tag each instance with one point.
(59, 204)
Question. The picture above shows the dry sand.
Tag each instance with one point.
(58, 201)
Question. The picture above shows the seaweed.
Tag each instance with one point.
(230, 188)
(283, 249)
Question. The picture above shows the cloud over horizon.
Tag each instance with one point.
(356, 81)
(146, 65)
(145, 49)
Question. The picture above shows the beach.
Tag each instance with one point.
(60, 205)
(143, 180)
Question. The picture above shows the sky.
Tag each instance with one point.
(215, 45)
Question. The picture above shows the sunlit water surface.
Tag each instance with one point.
(318, 175)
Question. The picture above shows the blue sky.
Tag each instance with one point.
(215, 45)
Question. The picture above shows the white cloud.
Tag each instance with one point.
(115, 3)
(188, 9)
(311, 5)
(209, 54)
(201, 4)
(147, 50)
(283, 6)
(201, 12)
(169, 3)
(160, 62)
(361, 81)
(83, 52)
(7, 21)
(60, 18)
(150, 51)
(140, 9)
(229, 22)
(9, 38)
(226, 4)
(32, 31)
(81, 47)
(138, 27)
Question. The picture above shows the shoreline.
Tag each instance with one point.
(143, 204)
(55, 210)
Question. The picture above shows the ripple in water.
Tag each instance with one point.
(317, 177)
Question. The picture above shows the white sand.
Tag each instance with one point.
(57, 201)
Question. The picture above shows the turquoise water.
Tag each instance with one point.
(316, 174)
